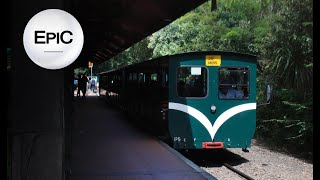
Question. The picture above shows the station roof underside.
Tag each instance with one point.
(112, 26)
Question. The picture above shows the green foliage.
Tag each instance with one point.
(238, 40)
(287, 122)
(235, 13)
(196, 31)
(286, 47)
(290, 46)
(136, 53)
(227, 29)
(79, 71)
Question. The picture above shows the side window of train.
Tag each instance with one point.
(119, 80)
(141, 79)
(104, 81)
(233, 83)
(153, 79)
(165, 79)
(192, 81)
(134, 76)
(132, 79)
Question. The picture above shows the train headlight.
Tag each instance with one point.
(213, 108)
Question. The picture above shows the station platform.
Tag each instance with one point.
(105, 146)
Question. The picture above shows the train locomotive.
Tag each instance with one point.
(200, 100)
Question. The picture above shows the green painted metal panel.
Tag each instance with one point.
(187, 131)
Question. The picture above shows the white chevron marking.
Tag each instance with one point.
(205, 121)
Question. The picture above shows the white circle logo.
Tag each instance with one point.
(53, 39)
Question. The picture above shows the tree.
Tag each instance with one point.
(290, 46)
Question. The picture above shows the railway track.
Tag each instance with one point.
(237, 171)
(218, 159)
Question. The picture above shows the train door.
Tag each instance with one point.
(189, 91)
(235, 115)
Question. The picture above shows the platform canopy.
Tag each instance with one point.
(112, 26)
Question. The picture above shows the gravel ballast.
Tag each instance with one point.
(260, 163)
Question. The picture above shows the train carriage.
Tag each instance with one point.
(200, 99)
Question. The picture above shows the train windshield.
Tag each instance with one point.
(192, 81)
(233, 83)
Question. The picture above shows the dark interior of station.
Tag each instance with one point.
(40, 100)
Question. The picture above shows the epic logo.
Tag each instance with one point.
(53, 36)
(53, 39)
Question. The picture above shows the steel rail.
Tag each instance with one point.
(237, 171)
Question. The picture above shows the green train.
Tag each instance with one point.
(200, 100)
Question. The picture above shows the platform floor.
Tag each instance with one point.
(104, 146)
